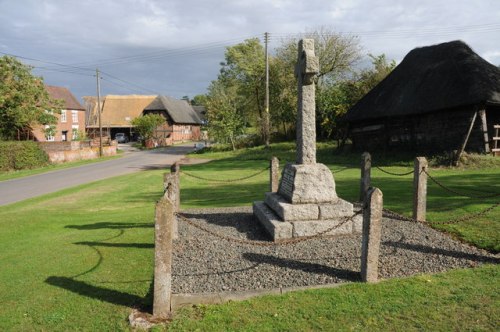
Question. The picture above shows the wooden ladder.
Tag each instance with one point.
(496, 139)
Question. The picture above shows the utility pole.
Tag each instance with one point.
(267, 128)
(100, 110)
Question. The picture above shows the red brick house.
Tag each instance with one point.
(182, 122)
(71, 121)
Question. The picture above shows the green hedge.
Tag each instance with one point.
(16, 155)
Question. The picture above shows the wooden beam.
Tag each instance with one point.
(466, 138)
(484, 129)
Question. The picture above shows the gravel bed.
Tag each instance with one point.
(203, 263)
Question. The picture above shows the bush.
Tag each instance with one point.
(16, 155)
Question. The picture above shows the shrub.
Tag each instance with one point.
(16, 155)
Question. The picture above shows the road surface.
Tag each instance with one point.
(15, 190)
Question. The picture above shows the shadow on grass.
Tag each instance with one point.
(110, 225)
(304, 266)
(438, 251)
(101, 293)
(117, 245)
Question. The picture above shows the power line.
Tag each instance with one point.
(130, 86)
(183, 51)
(417, 32)
(43, 61)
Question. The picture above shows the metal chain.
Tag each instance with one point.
(340, 170)
(467, 217)
(457, 192)
(396, 174)
(265, 243)
(225, 181)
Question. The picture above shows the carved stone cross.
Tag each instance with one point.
(307, 68)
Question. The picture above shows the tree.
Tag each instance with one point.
(337, 55)
(334, 100)
(199, 100)
(24, 101)
(146, 125)
(224, 120)
(244, 71)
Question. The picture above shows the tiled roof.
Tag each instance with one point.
(69, 100)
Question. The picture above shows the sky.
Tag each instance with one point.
(175, 48)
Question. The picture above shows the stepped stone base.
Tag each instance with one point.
(283, 220)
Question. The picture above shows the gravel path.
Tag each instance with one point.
(203, 263)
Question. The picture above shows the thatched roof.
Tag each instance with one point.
(179, 110)
(69, 100)
(117, 111)
(443, 76)
(201, 111)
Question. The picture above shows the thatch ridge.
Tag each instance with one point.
(431, 78)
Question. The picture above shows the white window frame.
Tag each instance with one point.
(63, 116)
(49, 138)
(74, 116)
(74, 131)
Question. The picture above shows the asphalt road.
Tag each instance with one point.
(15, 190)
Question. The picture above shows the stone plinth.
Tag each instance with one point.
(305, 204)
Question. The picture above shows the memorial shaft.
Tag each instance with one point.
(307, 68)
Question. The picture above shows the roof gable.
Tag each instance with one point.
(117, 110)
(69, 100)
(431, 78)
(179, 110)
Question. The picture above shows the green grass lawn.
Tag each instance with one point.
(9, 175)
(79, 259)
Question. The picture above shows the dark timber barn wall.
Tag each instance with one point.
(442, 130)
(428, 101)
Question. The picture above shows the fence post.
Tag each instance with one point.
(372, 225)
(274, 174)
(171, 191)
(366, 166)
(164, 219)
(175, 169)
(420, 189)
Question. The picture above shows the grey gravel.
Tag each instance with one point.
(203, 263)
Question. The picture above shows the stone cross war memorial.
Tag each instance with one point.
(306, 202)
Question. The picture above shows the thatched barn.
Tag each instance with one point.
(439, 98)
(182, 123)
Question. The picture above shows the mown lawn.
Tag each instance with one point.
(9, 175)
(79, 259)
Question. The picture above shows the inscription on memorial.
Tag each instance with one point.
(287, 180)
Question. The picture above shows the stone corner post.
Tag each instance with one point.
(372, 230)
(175, 169)
(172, 192)
(274, 175)
(365, 182)
(420, 188)
(164, 219)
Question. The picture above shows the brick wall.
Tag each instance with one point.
(60, 152)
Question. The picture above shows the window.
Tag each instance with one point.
(75, 132)
(74, 116)
(63, 116)
(49, 133)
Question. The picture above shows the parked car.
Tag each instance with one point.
(121, 138)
